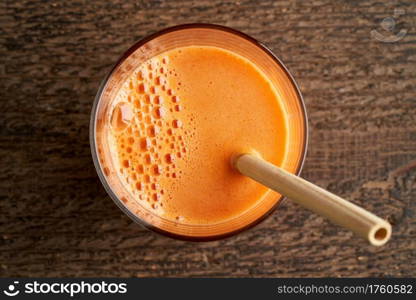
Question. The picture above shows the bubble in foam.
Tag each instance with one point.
(169, 158)
(178, 107)
(141, 88)
(129, 150)
(169, 92)
(169, 131)
(179, 154)
(152, 131)
(159, 112)
(157, 99)
(106, 171)
(176, 123)
(147, 99)
(139, 75)
(159, 80)
(145, 143)
(173, 175)
(139, 186)
(152, 90)
(140, 169)
(130, 140)
(137, 104)
(121, 116)
(154, 186)
(126, 163)
(148, 159)
(156, 197)
(146, 178)
(175, 99)
(156, 170)
(148, 119)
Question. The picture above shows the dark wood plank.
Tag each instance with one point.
(56, 219)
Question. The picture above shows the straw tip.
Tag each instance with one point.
(380, 235)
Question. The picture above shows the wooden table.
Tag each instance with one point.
(57, 220)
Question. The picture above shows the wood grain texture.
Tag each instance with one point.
(57, 220)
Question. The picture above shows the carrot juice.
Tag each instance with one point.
(175, 124)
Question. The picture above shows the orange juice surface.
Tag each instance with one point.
(177, 121)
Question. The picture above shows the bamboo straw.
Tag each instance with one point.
(342, 212)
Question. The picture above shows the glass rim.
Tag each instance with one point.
(92, 131)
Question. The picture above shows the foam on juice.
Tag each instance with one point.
(176, 121)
